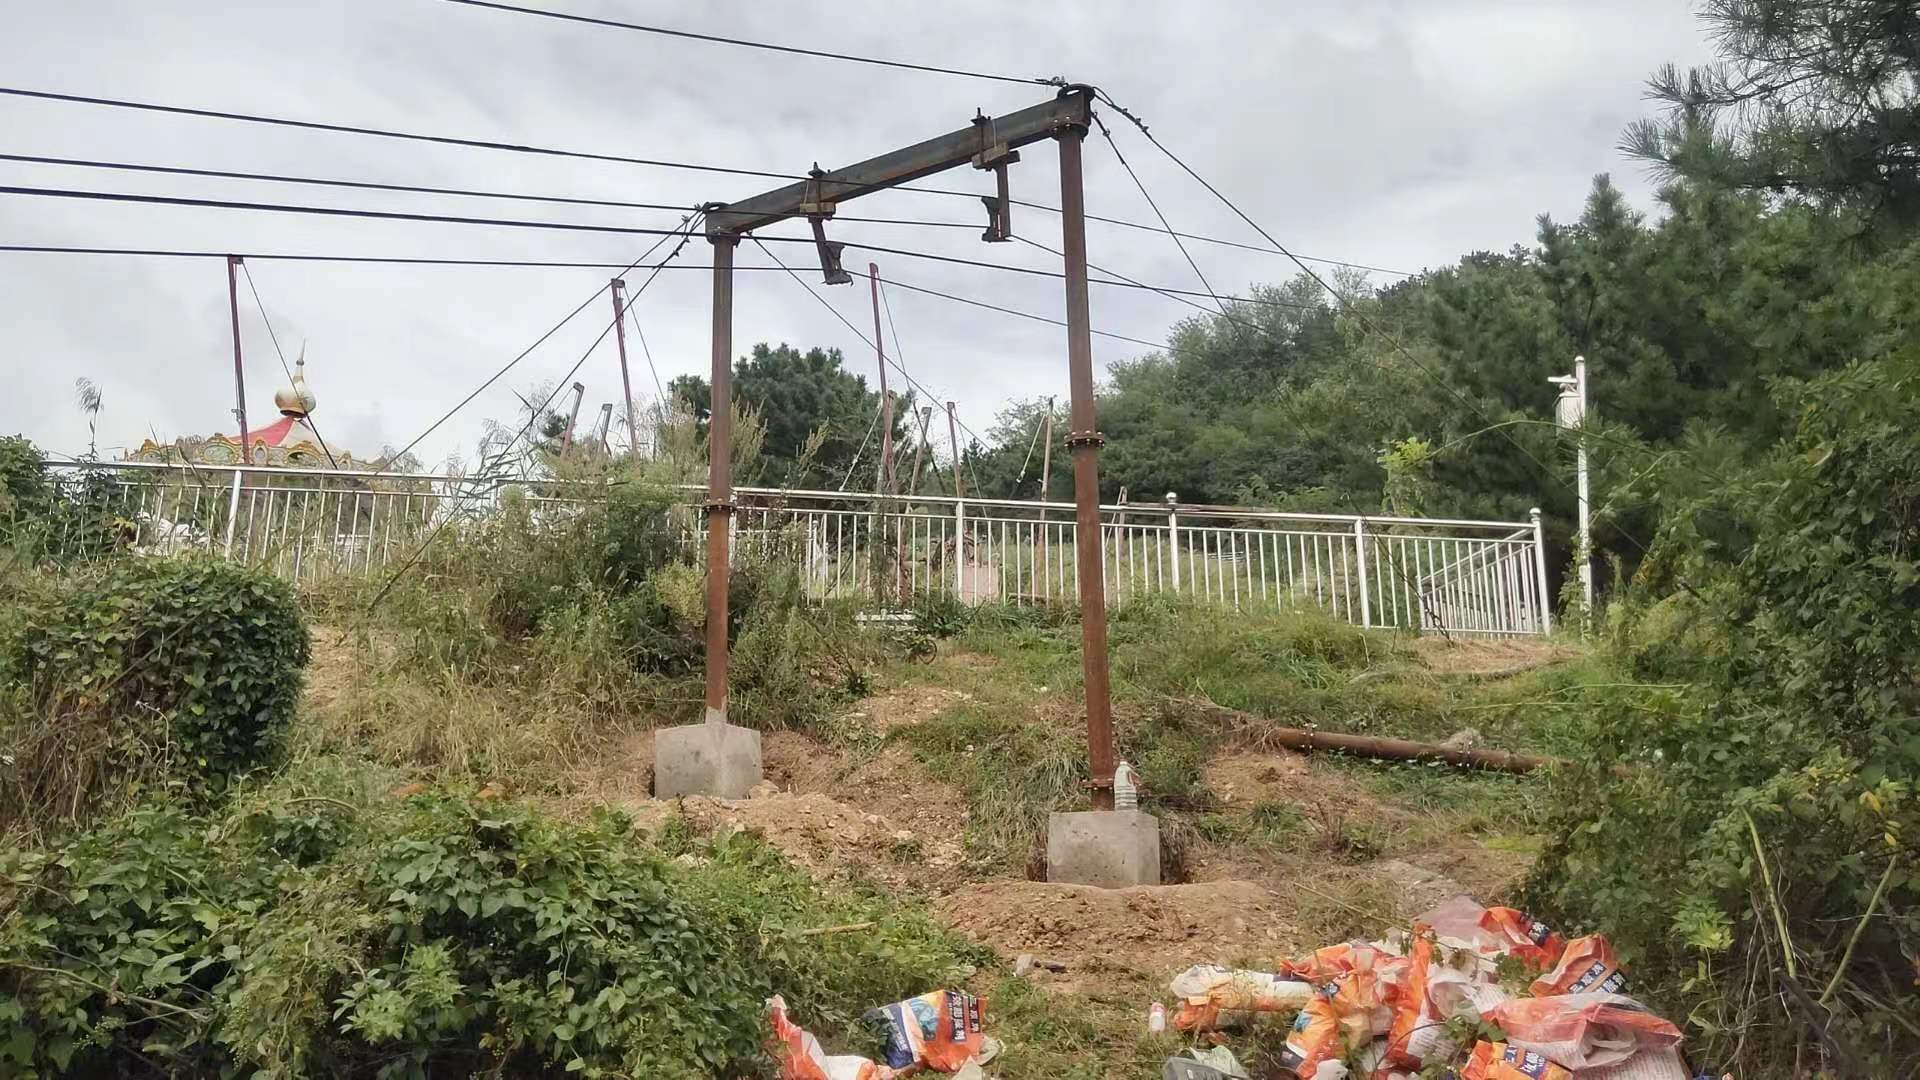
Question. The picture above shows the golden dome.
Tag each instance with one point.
(296, 400)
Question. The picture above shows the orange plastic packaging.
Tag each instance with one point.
(1414, 1010)
(1525, 937)
(1499, 1061)
(1587, 967)
(1315, 1038)
(1346, 1014)
(802, 1058)
(1585, 1031)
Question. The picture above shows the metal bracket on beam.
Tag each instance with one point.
(724, 509)
(1072, 108)
(995, 155)
(1086, 438)
(818, 211)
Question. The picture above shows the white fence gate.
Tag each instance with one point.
(1456, 576)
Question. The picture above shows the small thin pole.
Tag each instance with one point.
(573, 417)
(626, 383)
(886, 399)
(913, 474)
(239, 375)
(1046, 478)
(953, 443)
(1586, 500)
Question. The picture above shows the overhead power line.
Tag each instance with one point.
(533, 416)
(686, 231)
(828, 304)
(575, 265)
(522, 223)
(373, 185)
(1015, 312)
(385, 133)
(277, 351)
(744, 43)
(520, 148)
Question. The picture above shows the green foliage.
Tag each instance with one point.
(196, 662)
(329, 934)
(1766, 796)
(1815, 99)
(24, 489)
(817, 414)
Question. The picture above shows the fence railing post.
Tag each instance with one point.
(1540, 569)
(1360, 554)
(1173, 538)
(959, 549)
(233, 515)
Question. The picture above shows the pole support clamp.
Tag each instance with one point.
(1086, 438)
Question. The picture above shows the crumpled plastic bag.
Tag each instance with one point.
(1584, 1031)
(1587, 966)
(943, 1029)
(1490, 933)
(1646, 1065)
(801, 1057)
(1212, 996)
(1504, 1061)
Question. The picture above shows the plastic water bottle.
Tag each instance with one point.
(1157, 1019)
(1126, 787)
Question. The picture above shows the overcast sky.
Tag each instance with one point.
(1400, 134)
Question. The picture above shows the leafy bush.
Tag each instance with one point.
(194, 662)
(333, 934)
(1759, 849)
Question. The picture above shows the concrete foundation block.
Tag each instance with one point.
(717, 759)
(1111, 849)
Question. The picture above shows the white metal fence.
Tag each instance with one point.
(1484, 577)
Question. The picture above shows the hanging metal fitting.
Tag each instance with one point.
(1086, 438)
(818, 212)
(995, 155)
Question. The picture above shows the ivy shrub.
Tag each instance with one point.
(1750, 832)
(195, 662)
(312, 930)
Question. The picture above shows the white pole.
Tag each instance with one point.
(1586, 502)
(1540, 570)
(1360, 557)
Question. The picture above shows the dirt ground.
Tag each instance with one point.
(1488, 658)
(879, 816)
(1148, 931)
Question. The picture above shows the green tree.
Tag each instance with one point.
(1819, 100)
(819, 417)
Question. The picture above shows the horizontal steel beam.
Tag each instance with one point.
(1071, 108)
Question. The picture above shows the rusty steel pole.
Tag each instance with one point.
(1083, 438)
(239, 376)
(626, 384)
(719, 476)
(573, 417)
(913, 471)
(886, 399)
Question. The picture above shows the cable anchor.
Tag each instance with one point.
(819, 211)
(995, 155)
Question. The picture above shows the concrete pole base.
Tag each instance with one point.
(713, 758)
(1110, 849)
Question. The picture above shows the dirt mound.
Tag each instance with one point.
(1146, 931)
(828, 837)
